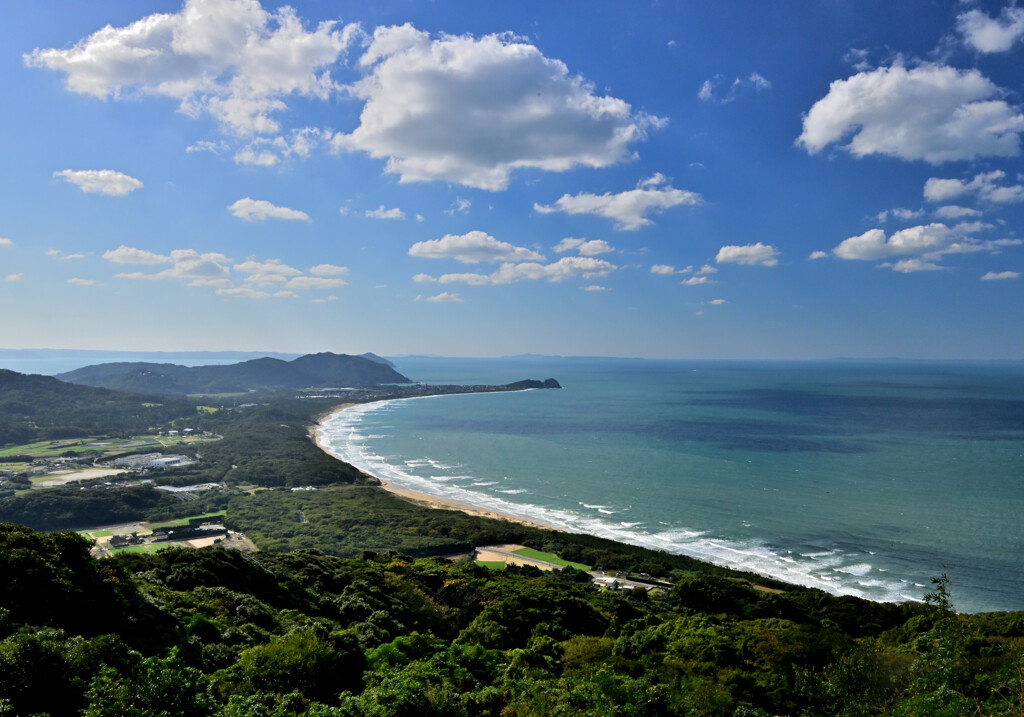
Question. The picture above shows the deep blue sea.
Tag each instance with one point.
(863, 478)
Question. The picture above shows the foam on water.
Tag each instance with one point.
(832, 570)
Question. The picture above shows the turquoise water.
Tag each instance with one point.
(863, 478)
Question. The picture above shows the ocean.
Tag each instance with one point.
(865, 478)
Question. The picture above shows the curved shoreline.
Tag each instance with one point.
(417, 497)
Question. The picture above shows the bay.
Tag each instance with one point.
(857, 477)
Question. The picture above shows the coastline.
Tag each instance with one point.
(416, 497)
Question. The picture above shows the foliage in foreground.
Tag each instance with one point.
(214, 632)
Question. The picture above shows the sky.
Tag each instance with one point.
(799, 180)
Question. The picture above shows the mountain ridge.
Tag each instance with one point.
(309, 370)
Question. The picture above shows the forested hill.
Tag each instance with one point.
(323, 370)
(43, 408)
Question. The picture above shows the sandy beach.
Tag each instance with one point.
(425, 499)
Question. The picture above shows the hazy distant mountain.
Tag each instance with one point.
(378, 359)
(311, 370)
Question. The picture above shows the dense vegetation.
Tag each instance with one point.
(36, 408)
(323, 369)
(214, 632)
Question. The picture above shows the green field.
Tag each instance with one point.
(184, 521)
(96, 533)
(492, 564)
(549, 558)
(148, 548)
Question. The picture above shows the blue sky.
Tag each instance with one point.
(659, 179)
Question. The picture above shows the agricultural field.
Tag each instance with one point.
(549, 558)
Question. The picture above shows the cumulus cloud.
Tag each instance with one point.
(815, 255)
(595, 287)
(952, 211)
(711, 90)
(267, 273)
(984, 186)
(382, 213)
(328, 270)
(565, 268)
(991, 34)
(444, 297)
(424, 278)
(228, 58)
(934, 113)
(899, 213)
(130, 255)
(471, 110)
(628, 209)
(258, 209)
(750, 254)
(923, 245)
(666, 269)
(1000, 275)
(716, 302)
(243, 292)
(100, 181)
(186, 264)
(697, 281)
(83, 282)
(472, 248)
(908, 266)
(583, 247)
(4, 241)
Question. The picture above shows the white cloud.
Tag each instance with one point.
(207, 146)
(13, 277)
(985, 186)
(697, 281)
(324, 301)
(130, 255)
(565, 268)
(909, 266)
(444, 297)
(583, 247)
(328, 270)
(267, 152)
(382, 213)
(314, 282)
(925, 245)
(750, 254)
(988, 34)
(595, 287)
(952, 211)
(471, 110)
(817, 255)
(228, 58)
(472, 248)
(873, 244)
(459, 206)
(249, 209)
(53, 252)
(934, 113)
(266, 273)
(1000, 275)
(665, 269)
(256, 158)
(899, 213)
(424, 278)
(83, 282)
(284, 294)
(716, 302)
(186, 264)
(4, 241)
(101, 181)
(629, 208)
(73, 256)
(710, 89)
(243, 292)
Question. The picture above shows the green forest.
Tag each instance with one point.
(216, 632)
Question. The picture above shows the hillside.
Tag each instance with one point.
(43, 408)
(323, 369)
